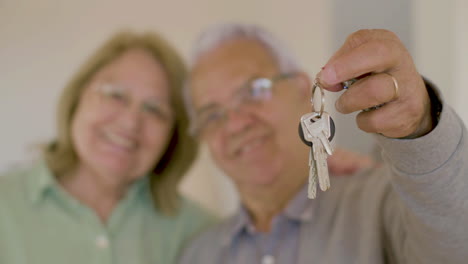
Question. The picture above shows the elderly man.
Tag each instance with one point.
(247, 94)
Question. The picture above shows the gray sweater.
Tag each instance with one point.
(413, 209)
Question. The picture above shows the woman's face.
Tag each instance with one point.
(124, 119)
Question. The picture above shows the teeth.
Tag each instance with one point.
(120, 141)
(250, 146)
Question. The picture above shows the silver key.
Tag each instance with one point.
(320, 157)
(306, 121)
(318, 131)
(320, 127)
(312, 190)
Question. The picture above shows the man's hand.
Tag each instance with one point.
(373, 57)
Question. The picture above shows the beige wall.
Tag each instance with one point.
(43, 42)
(460, 87)
(441, 48)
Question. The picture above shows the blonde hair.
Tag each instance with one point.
(60, 154)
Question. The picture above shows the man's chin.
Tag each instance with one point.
(259, 180)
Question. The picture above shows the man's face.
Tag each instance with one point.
(256, 143)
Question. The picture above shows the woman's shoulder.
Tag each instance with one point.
(189, 220)
(14, 177)
(18, 181)
(192, 211)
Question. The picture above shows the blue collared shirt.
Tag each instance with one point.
(240, 242)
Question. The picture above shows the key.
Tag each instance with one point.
(314, 125)
(317, 131)
(348, 83)
(309, 143)
(320, 127)
(305, 119)
(320, 158)
(312, 189)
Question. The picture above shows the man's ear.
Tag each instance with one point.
(304, 84)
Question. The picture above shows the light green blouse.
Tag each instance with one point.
(41, 223)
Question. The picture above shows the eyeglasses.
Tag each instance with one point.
(116, 98)
(211, 118)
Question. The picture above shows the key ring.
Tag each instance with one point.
(322, 97)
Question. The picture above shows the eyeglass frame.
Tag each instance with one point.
(241, 99)
(118, 93)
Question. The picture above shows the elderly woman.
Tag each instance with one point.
(105, 190)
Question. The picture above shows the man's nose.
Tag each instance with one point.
(237, 119)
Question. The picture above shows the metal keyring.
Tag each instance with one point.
(322, 94)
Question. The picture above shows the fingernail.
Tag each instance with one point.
(327, 76)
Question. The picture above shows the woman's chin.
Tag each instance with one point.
(114, 165)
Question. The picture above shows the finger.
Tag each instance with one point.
(371, 91)
(394, 120)
(371, 57)
(354, 40)
(360, 37)
(363, 43)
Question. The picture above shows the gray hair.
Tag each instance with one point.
(217, 35)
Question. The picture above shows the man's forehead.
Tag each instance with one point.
(230, 65)
(240, 50)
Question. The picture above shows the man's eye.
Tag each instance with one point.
(260, 93)
(260, 89)
(212, 117)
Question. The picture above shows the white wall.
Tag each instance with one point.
(441, 48)
(43, 42)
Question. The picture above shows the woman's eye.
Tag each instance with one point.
(113, 92)
(156, 110)
(116, 95)
(152, 109)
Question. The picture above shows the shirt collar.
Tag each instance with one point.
(39, 181)
(42, 180)
(299, 209)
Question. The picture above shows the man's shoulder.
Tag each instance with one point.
(373, 182)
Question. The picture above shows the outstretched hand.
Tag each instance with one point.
(386, 77)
